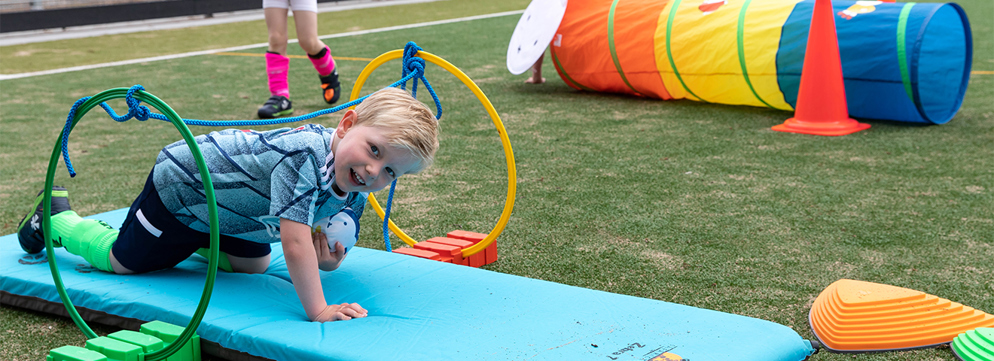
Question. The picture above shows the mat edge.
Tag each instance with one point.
(38, 304)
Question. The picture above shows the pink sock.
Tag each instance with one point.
(277, 67)
(324, 64)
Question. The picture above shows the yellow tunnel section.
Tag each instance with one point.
(726, 56)
(674, 49)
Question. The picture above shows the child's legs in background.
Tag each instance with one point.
(536, 69)
(277, 64)
(307, 36)
(306, 23)
(277, 27)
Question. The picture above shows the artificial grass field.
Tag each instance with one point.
(686, 202)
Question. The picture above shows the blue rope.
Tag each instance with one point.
(65, 134)
(135, 110)
(386, 219)
(415, 65)
(413, 69)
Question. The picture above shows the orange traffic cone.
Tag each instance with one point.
(821, 98)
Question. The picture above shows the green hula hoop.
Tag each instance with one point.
(191, 328)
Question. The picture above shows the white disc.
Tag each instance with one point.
(535, 29)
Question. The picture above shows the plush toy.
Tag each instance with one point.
(342, 227)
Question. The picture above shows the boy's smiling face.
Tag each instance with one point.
(364, 159)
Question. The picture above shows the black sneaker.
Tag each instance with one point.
(276, 106)
(29, 232)
(331, 87)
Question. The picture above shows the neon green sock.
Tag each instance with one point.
(92, 240)
(63, 224)
(222, 259)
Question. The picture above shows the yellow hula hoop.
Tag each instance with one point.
(508, 153)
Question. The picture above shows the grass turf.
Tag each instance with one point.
(693, 203)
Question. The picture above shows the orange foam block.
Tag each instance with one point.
(864, 316)
(420, 253)
(449, 253)
(475, 260)
(490, 253)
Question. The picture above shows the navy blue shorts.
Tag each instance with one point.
(152, 239)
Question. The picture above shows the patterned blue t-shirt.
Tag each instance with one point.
(258, 177)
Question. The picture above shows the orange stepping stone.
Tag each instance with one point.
(864, 316)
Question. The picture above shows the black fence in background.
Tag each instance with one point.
(61, 18)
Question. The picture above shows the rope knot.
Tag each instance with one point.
(135, 109)
(415, 66)
(414, 69)
(412, 63)
(411, 49)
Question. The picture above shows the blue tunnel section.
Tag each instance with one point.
(907, 62)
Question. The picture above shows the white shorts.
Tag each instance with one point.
(296, 5)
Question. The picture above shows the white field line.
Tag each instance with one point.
(86, 31)
(243, 47)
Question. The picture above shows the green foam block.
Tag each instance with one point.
(975, 345)
(115, 350)
(74, 353)
(148, 343)
(168, 333)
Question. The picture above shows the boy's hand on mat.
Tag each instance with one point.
(327, 260)
(342, 312)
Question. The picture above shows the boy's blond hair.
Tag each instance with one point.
(405, 122)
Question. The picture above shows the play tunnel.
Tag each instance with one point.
(907, 62)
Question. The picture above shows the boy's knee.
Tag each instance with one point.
(249, 265)
(118, 268)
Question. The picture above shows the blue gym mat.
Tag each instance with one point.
(418, 310)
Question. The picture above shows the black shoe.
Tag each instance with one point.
(29, 232)
(276, 106)
(331, 87)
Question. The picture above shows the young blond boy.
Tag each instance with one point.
(270, 187)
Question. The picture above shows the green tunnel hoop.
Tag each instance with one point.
(505, 142)
(191, 328)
